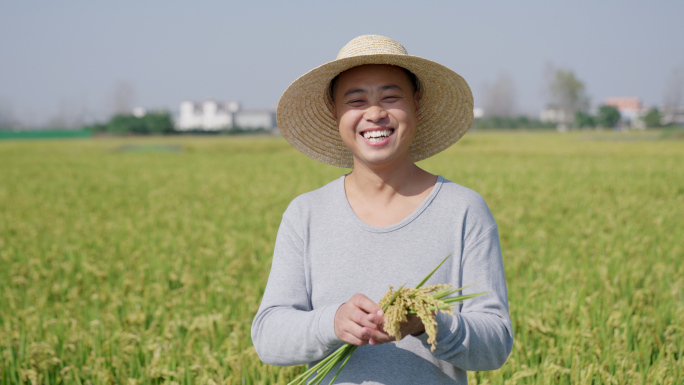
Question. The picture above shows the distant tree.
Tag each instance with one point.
(124, 124)
(71, 113)
(567, 92)
(96, 128)
(653, 118)
(159, 122)
(122, 97)
(608, 116)
(7, 119)
(583, 119)
(673, 95)
(499, 98)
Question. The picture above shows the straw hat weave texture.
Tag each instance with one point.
(305, 116)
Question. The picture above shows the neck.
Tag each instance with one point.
(405, 179)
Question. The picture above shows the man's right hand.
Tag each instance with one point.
(359, 321)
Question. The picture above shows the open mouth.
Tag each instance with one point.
(377, 136)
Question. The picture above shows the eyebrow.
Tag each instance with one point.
(382, 88)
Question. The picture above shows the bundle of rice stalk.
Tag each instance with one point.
(423, 302)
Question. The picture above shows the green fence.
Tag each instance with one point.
(46, 134)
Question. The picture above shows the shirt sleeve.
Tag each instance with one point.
(479, 335)
(286, 330)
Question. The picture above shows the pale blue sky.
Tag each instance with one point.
(66, 57)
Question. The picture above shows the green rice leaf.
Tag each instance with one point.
(432, 272)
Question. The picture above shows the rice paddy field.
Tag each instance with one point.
(143, 260)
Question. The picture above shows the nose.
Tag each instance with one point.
(375, 114)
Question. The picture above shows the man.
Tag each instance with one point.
(388, 222)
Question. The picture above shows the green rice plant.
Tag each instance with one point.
(142, 267)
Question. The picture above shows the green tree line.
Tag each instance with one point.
(157, 122)
(512, 122)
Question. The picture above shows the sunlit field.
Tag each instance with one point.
(143, 260)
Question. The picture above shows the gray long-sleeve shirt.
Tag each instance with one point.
(324, 254)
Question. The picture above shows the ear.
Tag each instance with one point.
(334, 111)
(416, 100)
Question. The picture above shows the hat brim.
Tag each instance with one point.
(305, 118)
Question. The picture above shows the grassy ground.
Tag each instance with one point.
(143, 260)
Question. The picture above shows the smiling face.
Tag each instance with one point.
(376, 110)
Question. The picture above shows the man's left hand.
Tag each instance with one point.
(413, 326)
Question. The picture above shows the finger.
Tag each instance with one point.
(377, 336)
(352, 339)
(352, 321)
(363, 319)
(380, 338)
(355, 323)
(376, 319)
(360, 335)
(366, 304)
(356, 334)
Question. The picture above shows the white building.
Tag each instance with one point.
(553, 114)
(208, 115)
(255, 119)
(211, 115)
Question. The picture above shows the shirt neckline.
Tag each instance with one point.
(385, 229)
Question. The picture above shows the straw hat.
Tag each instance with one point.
(305, 116)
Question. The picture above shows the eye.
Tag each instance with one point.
(356, 102)
(391, 98)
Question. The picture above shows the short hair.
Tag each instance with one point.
(413, 79)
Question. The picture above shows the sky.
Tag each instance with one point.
(67, 59)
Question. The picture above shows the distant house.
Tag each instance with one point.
(558, 116)
(254, 119)
(554, 114)
(211, 115)
(630, 110)
(208, 115)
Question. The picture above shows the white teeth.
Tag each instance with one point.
(377, 134)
